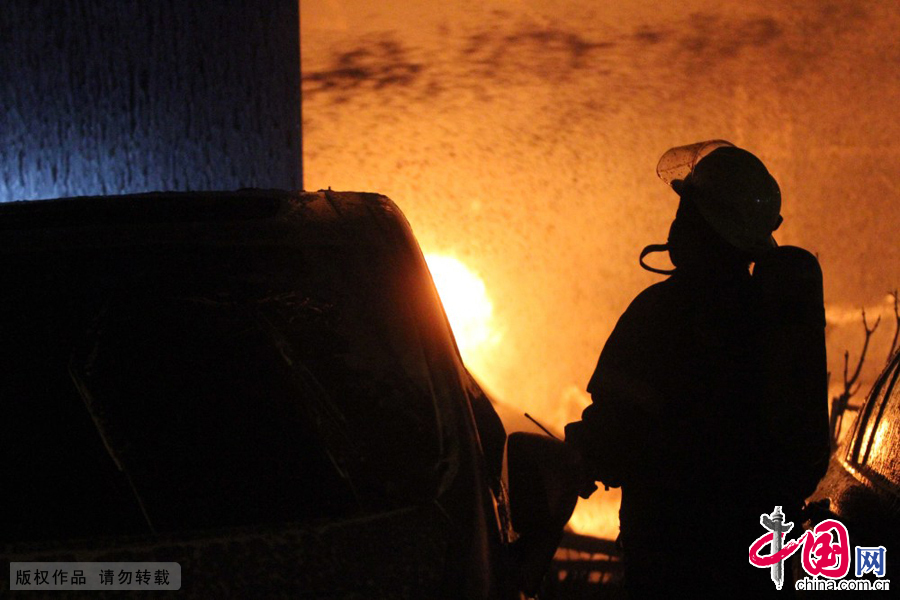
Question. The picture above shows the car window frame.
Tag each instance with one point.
(867, 423)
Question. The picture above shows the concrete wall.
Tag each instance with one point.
(117, 96)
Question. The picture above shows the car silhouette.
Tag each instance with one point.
(862, 486)
(259, 385)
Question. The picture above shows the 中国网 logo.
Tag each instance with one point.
(825, 553)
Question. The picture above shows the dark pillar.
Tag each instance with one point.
(119, 96)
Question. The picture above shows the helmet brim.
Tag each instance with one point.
(679, 162)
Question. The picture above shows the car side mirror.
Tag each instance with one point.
(543, 490)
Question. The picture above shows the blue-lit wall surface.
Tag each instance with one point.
(120, 96)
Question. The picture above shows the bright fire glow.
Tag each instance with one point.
(598, 515)
(467, 304)
(469, 310)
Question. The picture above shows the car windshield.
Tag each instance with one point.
(881, 455)
(225, 385)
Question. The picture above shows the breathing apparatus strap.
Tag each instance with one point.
(650, 249)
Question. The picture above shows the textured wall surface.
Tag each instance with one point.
(116, 96)
(521, 136)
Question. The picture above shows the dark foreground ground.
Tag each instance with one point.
(584, 567)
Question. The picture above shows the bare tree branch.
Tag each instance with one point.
(839, 404)
(862, 354)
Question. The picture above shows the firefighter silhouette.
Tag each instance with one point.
(709, 400)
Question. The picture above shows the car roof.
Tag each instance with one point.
(240, 217)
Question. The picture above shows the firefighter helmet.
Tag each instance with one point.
(732, 189)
